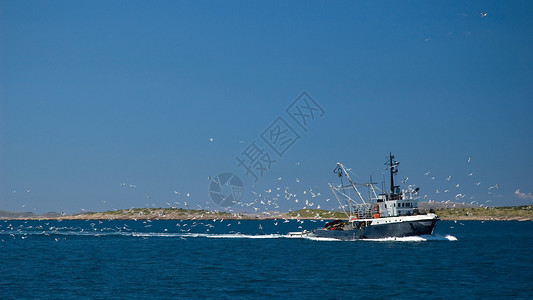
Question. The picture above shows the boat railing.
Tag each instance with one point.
(362, 211)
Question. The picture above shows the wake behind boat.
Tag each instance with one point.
(387, 214)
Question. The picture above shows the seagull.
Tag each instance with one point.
(449, 177)
(211, 139)
(470, 174)
(405, 179)
(483, 14)
(188, 195)
(469, 159)
(123, 184)
(297, 180)
(427, 173)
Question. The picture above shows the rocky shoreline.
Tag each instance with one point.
(513, 213)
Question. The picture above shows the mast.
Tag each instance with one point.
(393, 170)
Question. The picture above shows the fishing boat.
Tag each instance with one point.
(392, 213)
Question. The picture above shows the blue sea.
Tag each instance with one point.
(233, 259)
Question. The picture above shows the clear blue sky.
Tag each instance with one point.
(98, 93)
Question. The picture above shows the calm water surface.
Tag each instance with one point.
(231, 259)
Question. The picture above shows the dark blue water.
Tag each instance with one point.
(207, 259)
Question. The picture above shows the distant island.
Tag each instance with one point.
(454, 211)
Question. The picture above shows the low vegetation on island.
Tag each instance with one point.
(509, 213)
(506, 213)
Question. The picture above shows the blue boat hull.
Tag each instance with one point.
(399, 229)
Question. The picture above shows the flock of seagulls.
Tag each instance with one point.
(460, 195)
(299, 197)
(271, 199)
(182, 228)
(482, 14)
(264, 201)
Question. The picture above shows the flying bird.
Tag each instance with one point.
(483, 14)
